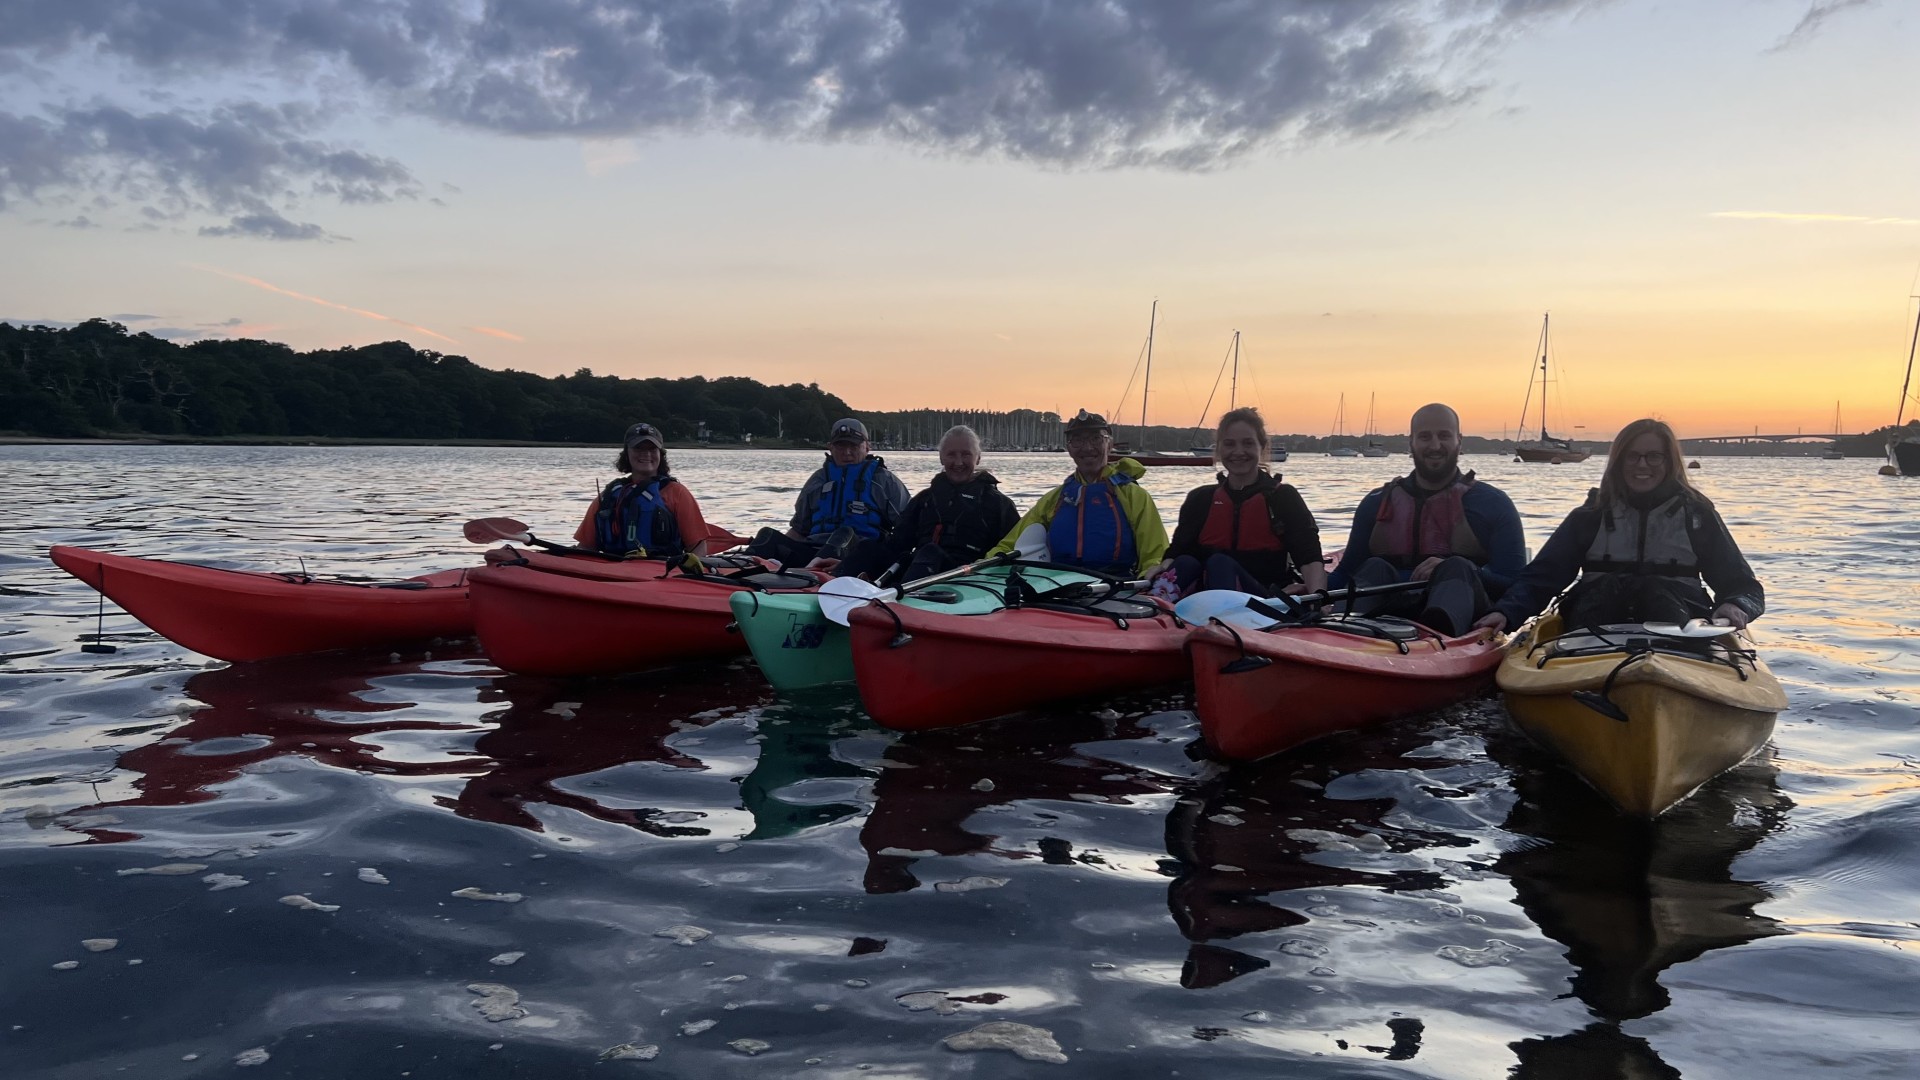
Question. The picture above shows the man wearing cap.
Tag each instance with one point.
(647, 511)
(852, 497)
(1100, 519)
(1438, 525)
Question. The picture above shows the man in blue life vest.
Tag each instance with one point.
(1460, 535)
(852, 497)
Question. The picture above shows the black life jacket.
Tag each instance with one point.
(966, 519)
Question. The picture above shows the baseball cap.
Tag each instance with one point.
(645, 433)
(848, 430)
(1087, 421)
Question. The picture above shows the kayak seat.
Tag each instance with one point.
(938, 596)
(1383, 627)
(1628, 637)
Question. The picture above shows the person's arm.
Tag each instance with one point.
(1551, 571)
(803, 505)
(1149, 531)
(1041, 515)
(585, 536)
(905, 534)
(897, 497)
(1496, 523)
(1726, 571)
(1193, 518)
(686, 510)
(1359, 542)
(1303, 539)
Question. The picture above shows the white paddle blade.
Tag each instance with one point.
(1695, 628)
(1032, 544)
(841, 595)
(1226, 606)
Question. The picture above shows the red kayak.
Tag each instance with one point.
(1258, 692)
(920, 669)
(561, 615)
(238, 615)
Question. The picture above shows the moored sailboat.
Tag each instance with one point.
(1903, 451)
(1334, 449)
(1143, 456)
(1546, 449)
(1373, 448)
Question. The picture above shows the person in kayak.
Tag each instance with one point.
(853, 496)
(1459, 534)
(1641, 546)
(952, 523)
(646, 512)
(1100, 519)
(1247, 531)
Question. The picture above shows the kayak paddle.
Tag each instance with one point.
(839, 596)
(1694, 628)
(497, 530)
(1251, 612)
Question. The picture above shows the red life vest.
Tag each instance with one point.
(1409, 530)
(1230, 529)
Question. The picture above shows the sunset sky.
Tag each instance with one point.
(974, 202)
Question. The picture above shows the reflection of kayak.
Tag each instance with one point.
(1258, 692)
(1692, 709)
(239, 615)
(978, 647)
(540, 621)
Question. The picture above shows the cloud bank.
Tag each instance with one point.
(1170, 84)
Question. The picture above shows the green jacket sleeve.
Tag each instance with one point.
(1041, 515)
(1149, 532)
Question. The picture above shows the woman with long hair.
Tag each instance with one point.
(1646, 547)
(1246, 531)
(647, 512)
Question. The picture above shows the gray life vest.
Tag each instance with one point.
(1655, 541)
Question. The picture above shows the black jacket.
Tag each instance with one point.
(963, 519)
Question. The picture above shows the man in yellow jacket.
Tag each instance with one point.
(1100, 519)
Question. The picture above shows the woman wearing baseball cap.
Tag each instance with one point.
(646, 513)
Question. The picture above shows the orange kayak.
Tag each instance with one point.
(1258, 692)
(240, 615)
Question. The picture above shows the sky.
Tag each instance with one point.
(976, 203)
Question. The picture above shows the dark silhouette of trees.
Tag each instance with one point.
(97, 379)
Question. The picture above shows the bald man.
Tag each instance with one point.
(1460, 535)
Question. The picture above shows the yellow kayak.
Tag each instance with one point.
(1645, 719)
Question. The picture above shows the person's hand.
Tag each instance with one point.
(1298, 588)
(1492, 620)
(1732, 614)
(1426, 568)
(823, 565)
(1165, 565)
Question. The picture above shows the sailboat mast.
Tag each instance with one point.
(1147, 387)
(1543, 376)
(1901, 417)
(1233, 388)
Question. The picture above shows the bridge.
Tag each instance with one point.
(1796, 436)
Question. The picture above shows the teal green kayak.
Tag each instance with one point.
(797, 648)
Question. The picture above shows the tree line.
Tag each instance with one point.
(97, 379)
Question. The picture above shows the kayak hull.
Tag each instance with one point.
(938, 670)
(535, 622)
(1266, 691)
(1688, 720)
(241, 616)
(795, 645)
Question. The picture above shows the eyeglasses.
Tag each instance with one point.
(1656, 457)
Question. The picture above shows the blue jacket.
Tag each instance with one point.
(1491, 516)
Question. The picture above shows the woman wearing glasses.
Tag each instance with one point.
(1646, 547)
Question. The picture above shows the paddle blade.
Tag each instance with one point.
(719, 539)
(1032, 544)
(1227, 606)
(495, 529)
(841, 595)
(1694, 628)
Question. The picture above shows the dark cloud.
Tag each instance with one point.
(1173, 83)
(240, 160)
(127, 318)
(1818, 12)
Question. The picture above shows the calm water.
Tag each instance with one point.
(1429, 898)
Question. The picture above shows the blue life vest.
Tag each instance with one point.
(1090, 528)
(848, 498)
(633, 517)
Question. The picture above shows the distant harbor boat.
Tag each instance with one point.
(1546, 449)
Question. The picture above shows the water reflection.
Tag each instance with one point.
(796, 751)
(1243, 836)
(1598, 1052)
(1630, 899)
(933, 784)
